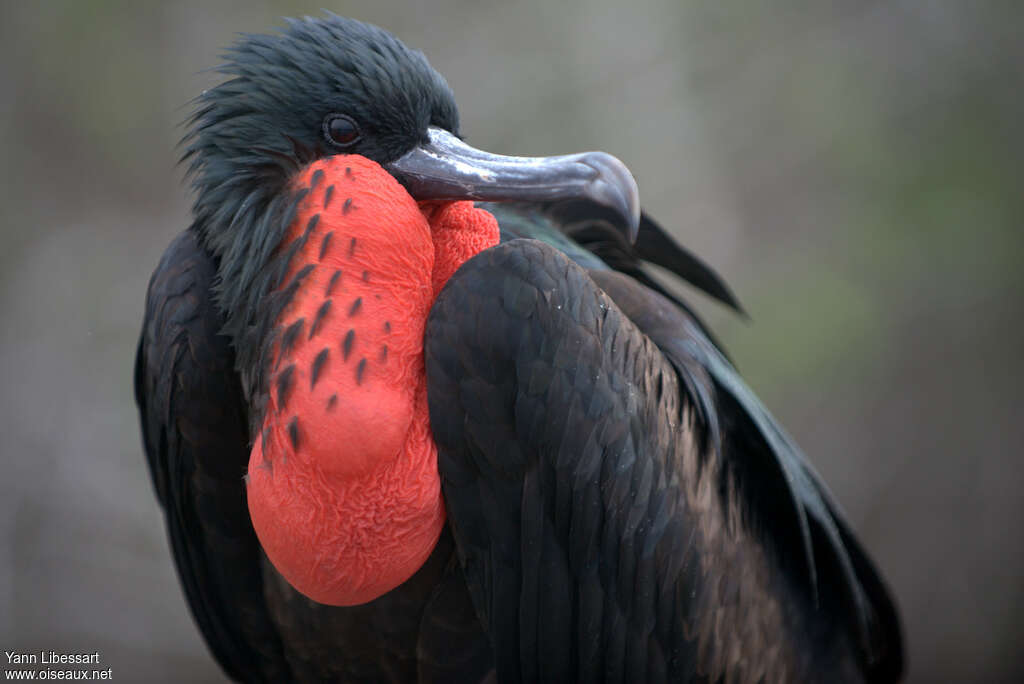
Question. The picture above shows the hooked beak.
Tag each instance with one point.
(445, 168)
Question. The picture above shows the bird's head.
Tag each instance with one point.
(323, 87)
(317, 88)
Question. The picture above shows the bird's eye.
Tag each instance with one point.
(340, 130)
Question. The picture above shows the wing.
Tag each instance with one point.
(783, 496)
(604, 531)
(195, 435)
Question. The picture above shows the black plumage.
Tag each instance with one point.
(808, 603)
(196, 437)
(621, 506)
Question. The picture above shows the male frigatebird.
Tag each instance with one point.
(390, 448)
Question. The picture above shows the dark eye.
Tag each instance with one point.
(340, 130)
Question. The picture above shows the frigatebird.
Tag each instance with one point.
(417, 412)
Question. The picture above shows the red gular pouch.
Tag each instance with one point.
(343, 489)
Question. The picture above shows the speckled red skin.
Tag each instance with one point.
(343, 488)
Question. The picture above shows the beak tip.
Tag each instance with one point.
(634, 228)
(616, 188)
(633, 218)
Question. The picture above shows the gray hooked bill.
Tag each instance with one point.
(445, 168)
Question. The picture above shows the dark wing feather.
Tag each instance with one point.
(601, 538)
(196, 439)
(783, 492)
(591, 236)
(655, 245)
(802, 519)
(601, 231)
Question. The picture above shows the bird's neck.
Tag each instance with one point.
(343, 485)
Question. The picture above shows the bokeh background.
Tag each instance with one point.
(854, 169)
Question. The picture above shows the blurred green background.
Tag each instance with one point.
(854, 170)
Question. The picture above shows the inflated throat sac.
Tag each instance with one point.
(343, 487)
